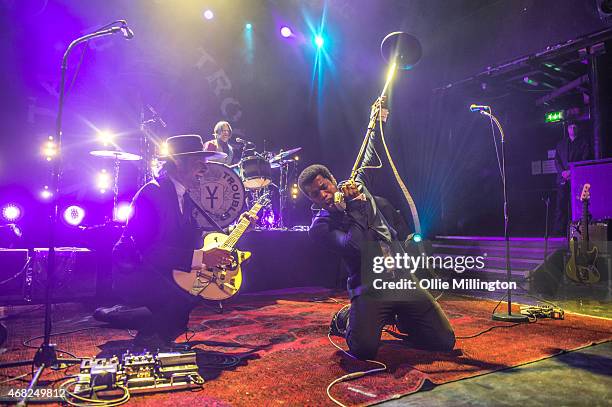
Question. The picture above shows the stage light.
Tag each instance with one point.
(248, 26)
(417, 238)
(73, 215)
(319, 41)
(163, 149)
(553, 117)
(269, 219)
(123, 212)
(106, 138)
(11, 213)
(294, 191)
(49, 149)
(45, 193)
(103, 181)
(286, 32)
(209, 15)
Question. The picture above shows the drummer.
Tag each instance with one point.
(222, 134)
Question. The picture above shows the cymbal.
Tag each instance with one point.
(284, 154)
(116, 155)
(277, 164)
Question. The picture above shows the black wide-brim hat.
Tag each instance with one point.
(189, 144)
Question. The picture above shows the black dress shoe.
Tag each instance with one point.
(339, 323)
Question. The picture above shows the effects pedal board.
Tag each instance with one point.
(140, 373)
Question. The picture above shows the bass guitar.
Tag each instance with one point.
(219, 283)
(581, 265)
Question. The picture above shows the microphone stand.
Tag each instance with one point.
(505, 316)
(46, 355)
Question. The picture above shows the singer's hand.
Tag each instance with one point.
(350, 190)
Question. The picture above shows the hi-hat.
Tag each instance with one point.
(116, 155)
(402, 48)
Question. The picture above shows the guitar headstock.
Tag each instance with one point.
(586, 192)
(264, 200)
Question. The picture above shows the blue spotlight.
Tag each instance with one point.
(248, 26)
(417, 238)
(319, 41)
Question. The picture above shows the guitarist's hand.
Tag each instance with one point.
(216, 257)
(252, 218)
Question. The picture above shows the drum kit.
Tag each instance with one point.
(256, 172)
(224, 190)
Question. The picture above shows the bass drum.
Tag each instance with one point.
(221, 193)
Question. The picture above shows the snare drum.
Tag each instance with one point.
(255, 172)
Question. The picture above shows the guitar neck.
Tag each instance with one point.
(584, 236)
(240, 228)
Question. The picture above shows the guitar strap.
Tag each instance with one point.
(203, 212)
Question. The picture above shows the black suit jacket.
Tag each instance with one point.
(158, 237)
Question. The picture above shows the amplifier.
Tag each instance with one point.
(74, 278)
(600, 235)
(12, 274)
(598, 174)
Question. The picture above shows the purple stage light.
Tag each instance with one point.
(268, 219)
(73, 215)
(103, 181)
(11, 213)
(45, 193)
(286, 32)
(209, 15)
(123, 212)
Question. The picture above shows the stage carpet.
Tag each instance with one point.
(273, 350)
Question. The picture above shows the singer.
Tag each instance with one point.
(368, 219)
(221, 143)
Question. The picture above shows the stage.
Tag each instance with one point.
(271, 349)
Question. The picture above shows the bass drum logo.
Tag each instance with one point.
(221, 194)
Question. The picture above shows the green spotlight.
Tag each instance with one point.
(318, 40)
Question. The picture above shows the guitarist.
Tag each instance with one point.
(346, 231)
(161, 236)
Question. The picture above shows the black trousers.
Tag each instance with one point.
(562, 210)
(422, 320)
(170, 306)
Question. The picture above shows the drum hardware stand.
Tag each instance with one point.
(46, 355)
(282, 192)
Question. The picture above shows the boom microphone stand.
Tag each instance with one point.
(503, 316)
(46, 355)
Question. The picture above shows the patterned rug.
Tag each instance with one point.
(273, 350)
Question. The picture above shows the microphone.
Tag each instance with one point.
(128, 34)
(479, 108)
(243, 141)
